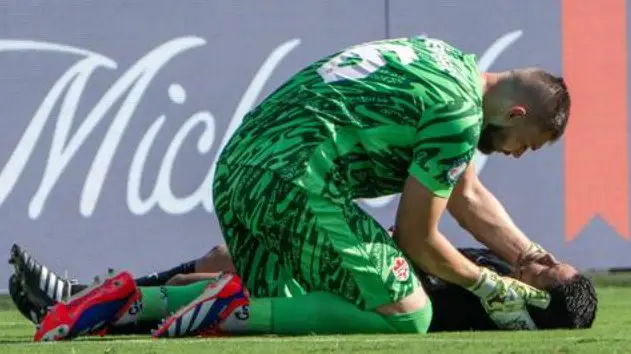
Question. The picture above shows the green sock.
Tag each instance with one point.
(326, 313)
(318, 312)
(160, 301)
(414, 322)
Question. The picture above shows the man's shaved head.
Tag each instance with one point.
(523, 108)
(545, 97)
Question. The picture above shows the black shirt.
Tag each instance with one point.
(455, 308)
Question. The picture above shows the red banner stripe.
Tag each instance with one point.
(596, 142)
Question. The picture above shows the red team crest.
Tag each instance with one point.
(454, 173)
(401, 269)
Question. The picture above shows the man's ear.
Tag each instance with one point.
(517, 111)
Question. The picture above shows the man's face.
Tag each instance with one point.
(543, 276)
(511, 140)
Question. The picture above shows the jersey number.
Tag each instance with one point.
(358, 62)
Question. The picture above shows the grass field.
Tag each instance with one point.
(610, 335)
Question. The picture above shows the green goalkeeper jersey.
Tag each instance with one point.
(357, 123)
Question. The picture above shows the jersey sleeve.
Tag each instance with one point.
(446, 139)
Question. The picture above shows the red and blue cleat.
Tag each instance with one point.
(92, 310)
(223, 300)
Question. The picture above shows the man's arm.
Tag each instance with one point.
(445, 142)
(418, 237)
(481, 214)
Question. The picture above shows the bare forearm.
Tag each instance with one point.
(418, 237)
(482, 215)
(435, 255)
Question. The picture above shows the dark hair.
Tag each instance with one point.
(552, 97)
(573, 305)
(559, 106)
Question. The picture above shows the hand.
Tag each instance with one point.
(534, 254)
(505, 299)
(546, 259)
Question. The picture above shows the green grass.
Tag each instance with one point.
(610, 335)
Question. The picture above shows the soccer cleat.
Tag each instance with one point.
(202, 317)
(43, 287)
(32, 311)
(91, 311)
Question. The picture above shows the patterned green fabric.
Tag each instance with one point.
(286, 242)
(353, 125)
(357, 123)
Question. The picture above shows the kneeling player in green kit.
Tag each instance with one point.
(393, 116)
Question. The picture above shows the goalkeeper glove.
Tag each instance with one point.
(505, 299)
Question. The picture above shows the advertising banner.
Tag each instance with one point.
(113, 115)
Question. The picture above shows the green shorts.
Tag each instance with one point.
(285, 241)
